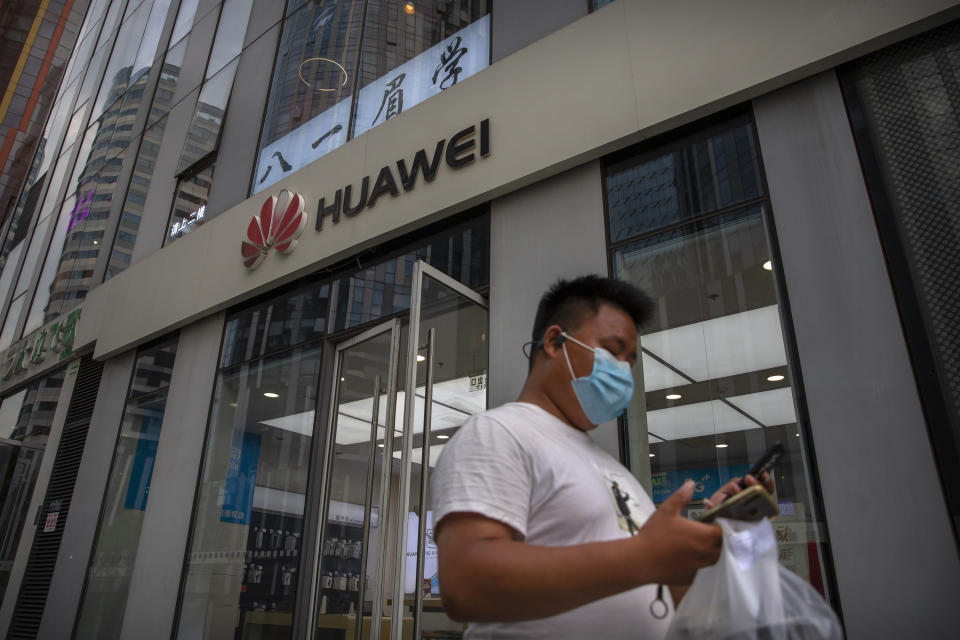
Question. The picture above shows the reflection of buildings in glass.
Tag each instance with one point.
(391, 36)
(304, 76)
(23, 117)
(36, 412)
(122, 251)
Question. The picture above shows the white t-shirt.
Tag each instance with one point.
(522, 466)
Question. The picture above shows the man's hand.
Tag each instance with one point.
(732, 488)
(488, 575)
(675, 546)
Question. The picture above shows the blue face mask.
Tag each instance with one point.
(607, 391)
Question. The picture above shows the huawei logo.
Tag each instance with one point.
(280, 223)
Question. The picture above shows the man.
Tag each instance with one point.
(531, 533)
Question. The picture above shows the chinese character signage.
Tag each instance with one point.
(180, 227)
(48, 345)
(437, 69)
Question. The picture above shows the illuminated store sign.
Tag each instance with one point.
(433, 71)
(33, 352)
(182, 226)
(279, 225)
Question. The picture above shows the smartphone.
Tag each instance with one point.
(766, 462)
(751, 504)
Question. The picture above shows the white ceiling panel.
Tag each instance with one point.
(453, 403)
(699, 419)
(769, 407)
(720, 347)
(656, 376)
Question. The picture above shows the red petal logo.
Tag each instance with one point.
(280, 223)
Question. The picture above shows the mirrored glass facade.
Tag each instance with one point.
(128, 490)
(345, 67)
(687, 224)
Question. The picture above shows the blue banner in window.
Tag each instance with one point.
(707, 480)
(138, 488)
(241, 480)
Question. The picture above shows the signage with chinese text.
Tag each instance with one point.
(438, 68)
(48, 345)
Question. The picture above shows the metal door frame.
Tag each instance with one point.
(393, 327)
(420, 269)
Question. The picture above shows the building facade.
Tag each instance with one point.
(255, 229)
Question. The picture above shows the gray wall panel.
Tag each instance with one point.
(896, 561)
(517, 23)
(152, 602)
(551, 230)
(63, 599)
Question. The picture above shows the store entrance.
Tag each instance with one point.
(376, 558)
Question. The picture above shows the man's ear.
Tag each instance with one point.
(553, 340)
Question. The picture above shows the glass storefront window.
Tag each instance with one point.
(248, 524)
(407, 53)
(714, 387)
(26, 417)
(118, 537)
(383, 288)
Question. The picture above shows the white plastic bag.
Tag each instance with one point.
(748, 595)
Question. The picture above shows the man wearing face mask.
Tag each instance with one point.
(542, 534)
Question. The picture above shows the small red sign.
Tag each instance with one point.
(51, 522)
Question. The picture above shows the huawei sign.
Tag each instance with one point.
(280, 223)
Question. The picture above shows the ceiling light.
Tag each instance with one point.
(722, 445)
(674, 396)
(233, 404)
(409, 9)
(653, 455)
(380, 445)
(776, 378)
(95, 242)
(343, 379)
(443, 436)
(798, 435)
(768, 265)
(421, 358)
(271, 394)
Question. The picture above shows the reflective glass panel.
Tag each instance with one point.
(383, 288)
(409, 56)
(695, 177)
(714, 389)
(230, 33)
(128, 489)
(190, 203)
(248, 524)
(20, 477)
(278, 323)
(204, 132)
(309, 107)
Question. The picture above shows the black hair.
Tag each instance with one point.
(569, 302)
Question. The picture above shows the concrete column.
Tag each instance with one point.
(895, 557)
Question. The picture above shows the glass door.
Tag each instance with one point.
(446, 375)
(353, 532)
(377, 562)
